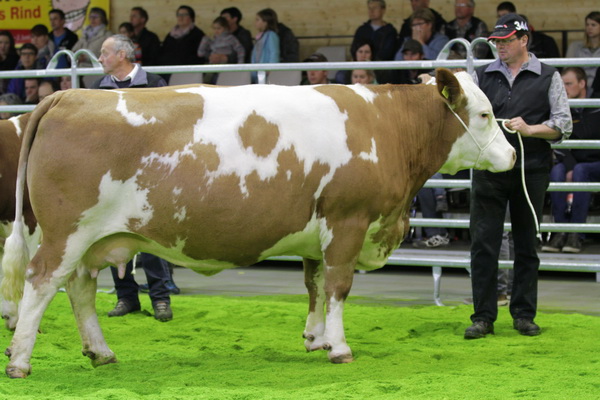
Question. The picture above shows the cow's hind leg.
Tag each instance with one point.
(315, 323)
(82, 293)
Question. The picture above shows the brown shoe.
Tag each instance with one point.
(162, 311)
(122, 308)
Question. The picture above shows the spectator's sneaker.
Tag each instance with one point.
(526, 327)
(441, 204)
(573, 244)
(556, 243)
(162, 311)
(172, 287)
(122, 308)
(437, 241)
(479, 329)
(502, 300)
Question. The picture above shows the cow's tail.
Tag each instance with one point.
(16, 253)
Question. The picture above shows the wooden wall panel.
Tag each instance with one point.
(342, 17)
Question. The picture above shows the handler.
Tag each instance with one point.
(116, 58)
(532, 97)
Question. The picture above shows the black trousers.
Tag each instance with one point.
(490, 194)
(157, 274)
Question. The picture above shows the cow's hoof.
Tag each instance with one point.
(17, 373)
(308, 336)
(341, 358)
(98, 360)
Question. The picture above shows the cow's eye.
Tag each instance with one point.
(485, 115)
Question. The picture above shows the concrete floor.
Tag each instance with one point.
(391, 285)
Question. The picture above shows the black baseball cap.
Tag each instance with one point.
(508, 25)
(413, 46)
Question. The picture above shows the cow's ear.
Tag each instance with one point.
(448, 86)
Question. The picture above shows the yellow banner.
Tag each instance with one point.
(19, 16)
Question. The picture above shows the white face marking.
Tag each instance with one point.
(308, 121)
(132, 118)
(367, 94)
(372, 156)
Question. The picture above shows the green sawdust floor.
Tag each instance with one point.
(251, 348)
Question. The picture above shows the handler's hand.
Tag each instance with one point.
(517, 124)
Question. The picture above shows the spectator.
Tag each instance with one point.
(147, 40)
(469, 27)
(31, 90)
(361, 50)
(93, 35)
(433, 202)
(223, 42)
(62, 37)
(41, 40)
(266, 48)
(424, 33)
(590, 47)
(542, 45)
(406, 29)
(381, 34)
(127, 29)
(234, 16)
(180, 46)
(364, 77)
(65, 83)
(9, 58)
(506, 7)
(27, 59)
(316, 77)
(411, 51)
(289, 47)
(46, 88)
(576, 165)
(9, 99)
(596, 85)
(529, 94)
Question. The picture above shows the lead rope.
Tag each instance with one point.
(537, 224)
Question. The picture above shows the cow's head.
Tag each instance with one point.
(483, 145)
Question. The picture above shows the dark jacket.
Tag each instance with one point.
(586, 126)
(406, 30)
(543, 46)
(289, 48)
(141, 80)
(528, 98)
(66, 43)
(244, 36)
(383, 39)
(150, 45)
(182, 51)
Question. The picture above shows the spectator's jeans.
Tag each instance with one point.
(490, 194)
(157, 273)
(582, 172)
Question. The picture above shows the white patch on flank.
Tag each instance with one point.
(308, 121)
(180, 214)
(367, 94)
(372, 156)
(170, 160)
(131, 117)
(123, 201)
(17, 124)
(177, 191)
(288, 173)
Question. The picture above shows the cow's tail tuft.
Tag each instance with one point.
(16, 253)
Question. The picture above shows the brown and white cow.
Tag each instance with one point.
(11, 132)
(216, 177)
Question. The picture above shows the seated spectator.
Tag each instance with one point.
(406, 30)
(506, 7)
(289, 47)
(364, 77)
(423, 32)
(590, 47)
(469, 27)
(65, 83)
(411, 51)
(27, 59)
(9, 58)
(380, 33)
(93, 35)
(433, 202)
(147, 40)
(596, 85)
(316, 77)
(46, 88)
(361, 50)
(31, 90)
(180, 46)
(266, 48)
(576, 165)
(540, 44)
(9, 99)
(223, 42)
(234, 16)
(127, 29)
(41, 40)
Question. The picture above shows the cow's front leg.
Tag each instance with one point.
(10, 314)
(315, 322)
(82, 293)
